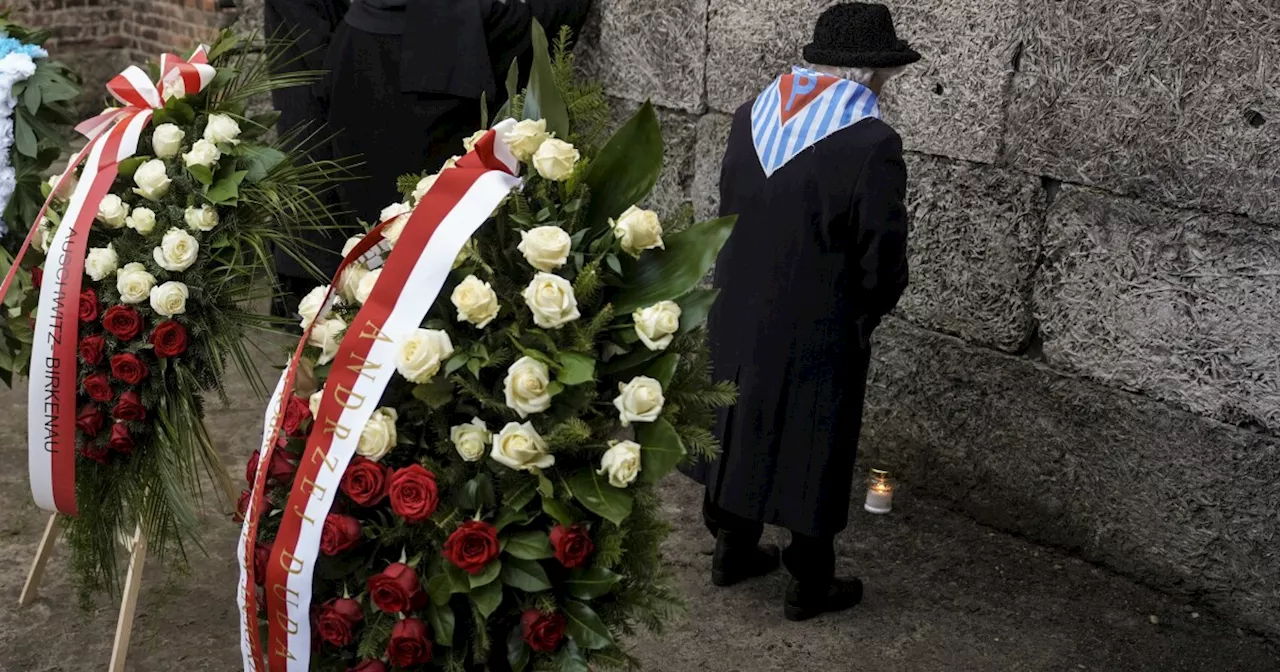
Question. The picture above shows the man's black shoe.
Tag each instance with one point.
(731, 565)
(805, 601)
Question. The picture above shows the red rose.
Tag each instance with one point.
(280, 469)
(169, 339)
(251, 467)
(91, 349)
(472, 546)
(242, 506)
(94, 452)
(37, 277)
(413, 493)
(123, 322)
(88, 305)
(410, 644)
(89, 420)
(338, 618)
(128, 369)
(542, 632)
(396, 589)
(340, 533)
(572, 545)
(365, 481)
(98, 387)
(121, 440)
(296, 412)
(261, 556)
(129, 407)
(369, 666)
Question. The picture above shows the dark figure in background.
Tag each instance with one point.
(407, 78)
(818, 256)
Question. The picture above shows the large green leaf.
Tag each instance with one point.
(602, 499)
(531, 545)
(441, 619)
(664, 369)
(542, 100)
(487, 598)
(488, 576)
(694, 308)
(570, 659)
(226, 191)
(565, 514)
(260, 160)
(526, 575)
(585, 626)
(517, 650)
(626, 169)
(669, 274)
(513, 85)
(588, 584)
(661, 450)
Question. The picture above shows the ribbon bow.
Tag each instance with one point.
(135, 90)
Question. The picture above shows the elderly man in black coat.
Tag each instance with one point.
(818, 256)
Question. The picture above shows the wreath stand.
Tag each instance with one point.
(137, 547)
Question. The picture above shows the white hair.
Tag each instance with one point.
(863, 76)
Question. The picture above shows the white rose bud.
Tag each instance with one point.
(351, 244)
(525, 387)
(640, 400)
(556, 159)
(152, 180)
(452, 162)
(424, 185)
(476, 301)
(471, 439)
(112, 211)
(67, 187)
(167, 140)
(470, 143)
(399, 212)
(222, 128)
(310, 305)
(379, 435)
(142, 220)
(349, 281)
(203, 153)
(169, 299)
(657, 325)
(314, 401)
(526, 137)
(101, 262)
(134, 283)
(546, 248)
(177, 250)
(638, 230)
(621, 462)
(551, 300)
(42, 239)
(422, 354)
(204, 218)
(520, 447)
(327, 335)
(367, 283)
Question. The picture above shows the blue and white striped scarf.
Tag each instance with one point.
(798, 110)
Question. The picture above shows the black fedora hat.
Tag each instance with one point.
(858, 35)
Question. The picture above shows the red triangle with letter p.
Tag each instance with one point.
(798, 90)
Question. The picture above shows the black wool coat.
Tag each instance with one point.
(817, 257)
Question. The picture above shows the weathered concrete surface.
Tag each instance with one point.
(679, 132)
(949, 104)
(640, 50)
(713, 137)
(1176, 500)
(1172, 101)
(1176, 304)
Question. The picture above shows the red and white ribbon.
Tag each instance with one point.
(51, 390)
(459, 202)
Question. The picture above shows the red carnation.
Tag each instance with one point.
(410, 644)
(91, 349)
(242, 506)
(413, 493)
(98, 387)
(296, 412)
(369, 666)
(251, 467)
(365, 481)
(397, 589)
(121, 440)
(129, 407)
(542, 632)
(37, 277)
(572, 545)
(169, 339)
(340, 533)
(472, 546)
(280, 469)
(95, 452)
(128, 369)
(123, 322)
(88, 305)
(261, 556)
(89, 420)
(338, 619)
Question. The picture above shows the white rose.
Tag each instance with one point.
(367, 283)
(349, 281)
(112, 211)
(167, 140)
(152, 180)
(327, 335)
(638, 230)
(222, 128)
(551, 300)
(399, 213)
(470, 143)
(177, 250)
(351, 244)
(476, 301)
(453, 161)
(520, 447)
(379, 435)
(422, 353)
(204, 218)
(169, 299)
(40, 241)
(310, 305)
(640, 400)
(424, 185)
(134, 283)
(67, 187)
(314, 401)
(525, 387)
(555, 160)
(657, 324)
(142, 220)
(101, 262)
(546, 248)
(203, 153)
(621, 462)
(526, 137)
(471, 439)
